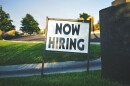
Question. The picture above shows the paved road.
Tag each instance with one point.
(50, 68)
(30, 38)
(95, 37)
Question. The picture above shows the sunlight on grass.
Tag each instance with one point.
(26, 53)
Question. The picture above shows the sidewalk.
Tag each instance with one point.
(49, 68)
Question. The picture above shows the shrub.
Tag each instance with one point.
(0, 35)
(97, 26)
(10, 34)
(7, 36)
(0, 32)
(43, 31)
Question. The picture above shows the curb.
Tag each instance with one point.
(50, 68)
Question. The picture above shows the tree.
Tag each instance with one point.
(5, 21)
(97, 26)
(29, 25)
(84, 16)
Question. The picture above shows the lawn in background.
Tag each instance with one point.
(93, 78)
(25, 53)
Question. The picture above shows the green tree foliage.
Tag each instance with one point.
(84, 16)
(29, 25)
(5, 21)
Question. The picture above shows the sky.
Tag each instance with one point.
(40, 9)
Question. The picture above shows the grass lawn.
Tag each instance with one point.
(68, 79)
(24, 53)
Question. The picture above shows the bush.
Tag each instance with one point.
(97, 26)
(10, 34)
(43, 31)
(0, 32)
(0, 37)
(7, 36)
(17, 34)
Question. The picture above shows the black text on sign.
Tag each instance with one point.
(67, 36)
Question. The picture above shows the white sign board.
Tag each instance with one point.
(67, 36)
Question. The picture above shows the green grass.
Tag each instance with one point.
(24, 53)
(68, 79)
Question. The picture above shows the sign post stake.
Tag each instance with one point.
(88, 58)
(42, 71)
(44, 51)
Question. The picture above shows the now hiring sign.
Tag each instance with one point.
(67, 36)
